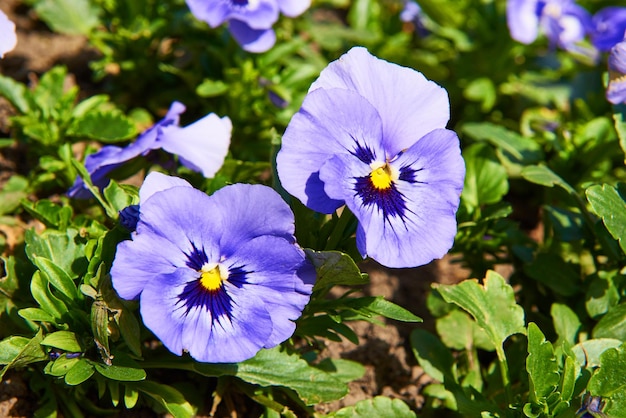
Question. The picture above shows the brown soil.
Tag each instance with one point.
(391, 369)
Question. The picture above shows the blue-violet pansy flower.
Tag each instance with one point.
(219, 276)
(563, 22)
(609, 27)
(616, 90)
(200, 146)
(8, 38)
(371, 135)
(249, 21)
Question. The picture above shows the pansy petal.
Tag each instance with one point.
(523, 20)
(179, 214)
(157, 182)
(136, 263)
(161, 311)
(233, 335)
(616, 89)
(201, 146)
(330, 122)
(293, 8)
(417, 222)
(409, 105)
(609, 25)
(275, 280)
(110, 157)
(250, 39)
(8, 38)
(213, 12)
(242, 218)
(433, 180)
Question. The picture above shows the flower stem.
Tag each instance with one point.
(338, 231)
(504, 372)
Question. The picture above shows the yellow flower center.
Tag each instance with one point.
(212, 277)
(382, 175)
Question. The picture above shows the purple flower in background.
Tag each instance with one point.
(249, 21)
(219, 276)
(412, 13)
(201, 146)
(563, 22)
(609, 27)
(371, 135)
(8, 39)
(616, 90)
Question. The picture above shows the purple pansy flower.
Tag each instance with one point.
(562, 21)
(220, 287)
(616, 90)
(249, 21)
(8, 39)
(412, 13)
(371, 135)
(201, 146)
(609, 27)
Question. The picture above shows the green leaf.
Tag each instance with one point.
(122, 369)
(106, 126)
(379, 407)
(64, 249)
(10, 348)
(458, 331)
(481, 90)
(380, 306)
(63, 340)
(514, 150)
(274, 367)
(211, 88)
(540, 174)
(603, 293)
(57, 277)
(18, 352)
(120, 196)
(80, 372)
(344, 370)
(543, 371)
(552, 271)
(613, 324)
(608, 203)
(434, 357)
(566, 322)
(492, 305)
(588, 352)
(51, 214)
(168, 397)
(12, 193)
(619, 117)
(73, 17)
(36, 315)
(60, 366)
(609, 381)
(46, 300)
(485, 179)
(16, 93)
(335, 268)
